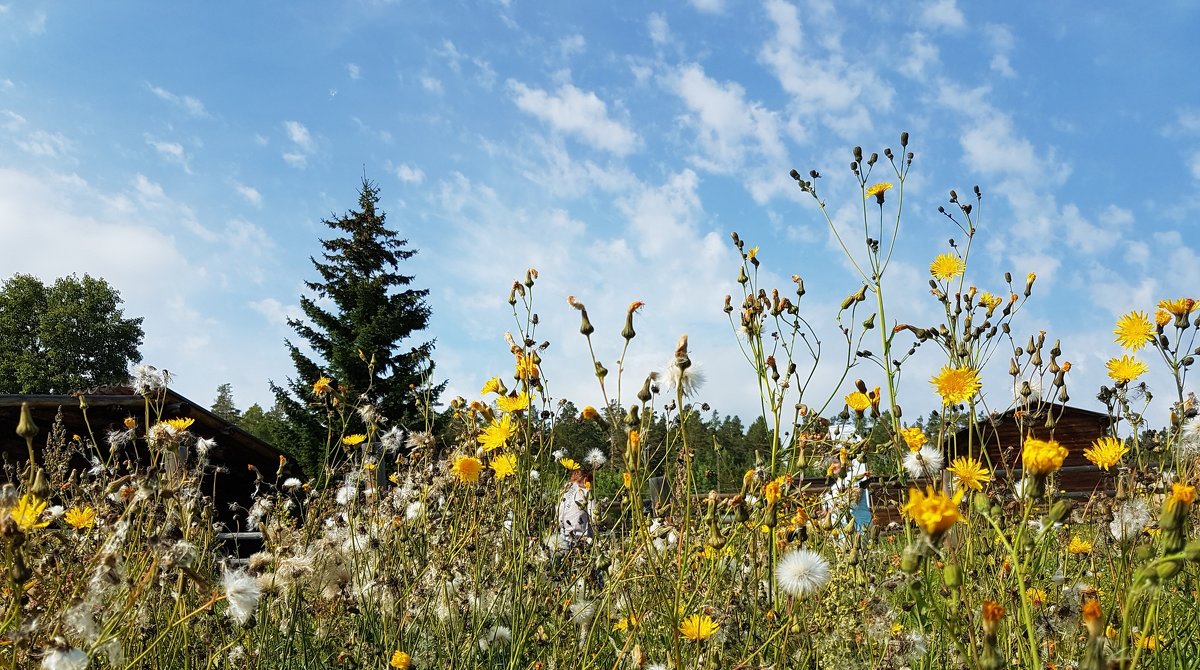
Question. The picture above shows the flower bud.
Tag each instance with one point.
(904, 139)
(585, 325)
(952, 576)
(26, 428)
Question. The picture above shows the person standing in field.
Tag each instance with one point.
(576, 511)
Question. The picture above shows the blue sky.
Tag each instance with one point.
(187, 153)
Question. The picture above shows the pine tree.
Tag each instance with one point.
(223, 404)
(374, 315)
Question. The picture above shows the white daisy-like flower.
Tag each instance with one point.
(595, 458)
(1129, 519)
(925, 462)
(242, 593)
(65, 659)
(802, 572)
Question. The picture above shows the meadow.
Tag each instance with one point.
(433, 551)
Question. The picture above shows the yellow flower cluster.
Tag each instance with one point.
(1041, 457)
(932, 511)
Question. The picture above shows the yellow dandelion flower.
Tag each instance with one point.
(400, 660)
(589, 413)
(466, 469)
(504, 466)
(858, 401)
(878, 190)
(80, 517)
(1079, 546)
(627, 479)
(969, 473)
(1041, 457)
(1147, 642)
(1134, 331)
(914, 437)
(946, 267)
(1106, 452)
(626, 622)
(527, 369)
(1161, 317)
(493, 385)
(180, 424)
(752, 254)
(569, 463)
(749, 478)
(27, 511)
(698, 627)
(497, 433)
(1178, 306)
(1036, 597)
(1126, 368)
(517, 403)
(990, 301)
(130, 422)
(322, 386)
(1182, 493)
(933, 512)
(956, 385)
(354, 440)
(773, 490)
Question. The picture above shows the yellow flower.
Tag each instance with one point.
(626, 623)
(1126, 368)
(353, 440)
(400, 660)
(130, 422)
(1041, 457)
(932, 511)
(180, 424)
(946, 267)
(1035, 596)
(1149, 642)
(527, 369)
(80, 518)
(1183, 493)
(1134, 331)
(1079, 546)
(517, 403)
(992, 613)
(589, 413)
(466, 468)
(493, 385)
(858, 401)
(569, 463)
(1178, 306)
(504, 466)
(698, 627)
(914, 437)
(627, 479)
(969, 473)
(752, 253)
(1161, 317)
(497, 433)
(990, 301)
(956, 385)
(773, 490)
(749, 478)
(27, 511)
(1106, 452)
(322, 386)
(878, 190)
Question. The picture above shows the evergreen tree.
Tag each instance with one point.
(223, 405)
(373, 315)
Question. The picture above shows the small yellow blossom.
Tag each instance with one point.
(493, 385)
(914, 437)
(527, 369)
(627, 479)
(569, 463)
(933, 512)
(130, 422)
(946, 267)
(80, 517)
(1126, 368)
(858, 401)
(1078, 546)
(969, 473)
(1178, 306)
(354, 440)
(589, 413)
(504, 466)
(27, 512)
(466, 468)
(773, 490)
(180, 424)
(990, 301)
(626, 622)
(322, 386)
(497, 433)
(752, 254)
(400, 660)
(1183, 493)
(1041, 457)
(1147, 642)
(1134, 331)
(956, 385)
(1106, 452)
(1035, 596)
(878, 190)
(698, 627)
(517, 403)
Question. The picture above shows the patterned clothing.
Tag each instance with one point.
(576, 509)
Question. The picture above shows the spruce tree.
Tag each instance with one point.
(373, 314)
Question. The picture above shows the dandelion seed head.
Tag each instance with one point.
(241, 593)
(924, 462)
(802, 572)
(595, 458)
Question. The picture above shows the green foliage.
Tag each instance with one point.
(364, 340)
(223, 405)
(70, 335)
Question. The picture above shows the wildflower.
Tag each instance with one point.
(68, 658)
(1134, 331)
(925, 462)
(595, 458)
(773, 490)
(242, 593)
(291, 484)
(698, 627)
(27, 511)
(858, 401)
(466, 468)
(493, 385)
(956, 385)
(148, 379)
(589, 413)
(932, 511)
(534, 475)
(354, 440)
(80, 518)
(1129, 519)
(1179, 307)
(400, 660)
(130, 422)
(1092, 618)
(689, 378)
(802, 572)
(504, 466)
(991, 302)
(527, 369)
(946, 267)
(497, 433)
(1106, 452)
(992, 613)
(1035, 596)
(1126, 368)
(1183, 494)
(516, 403)
(322, 386)
(914, 437)
(1079, 546)
(1143, 641)
(568, 463)
(626, 622)
(969, 473)
(878, 190)
(1041, 457)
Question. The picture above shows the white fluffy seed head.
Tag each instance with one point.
(802, 572)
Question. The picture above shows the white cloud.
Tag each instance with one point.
(295, 159)
(571, 45)
(924, 55)
(943, 14)
(409, 174)
(709, 6)
(249, 193)
(578, 113)
(193, 106)
(1000, 38)
(37, 24)
(303, 144)
(656, 25)
(431, 84)
(727, 125)
(353, 71)
(275, 312)
(172, 152)
(45, 144)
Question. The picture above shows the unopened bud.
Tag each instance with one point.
(26, 428)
